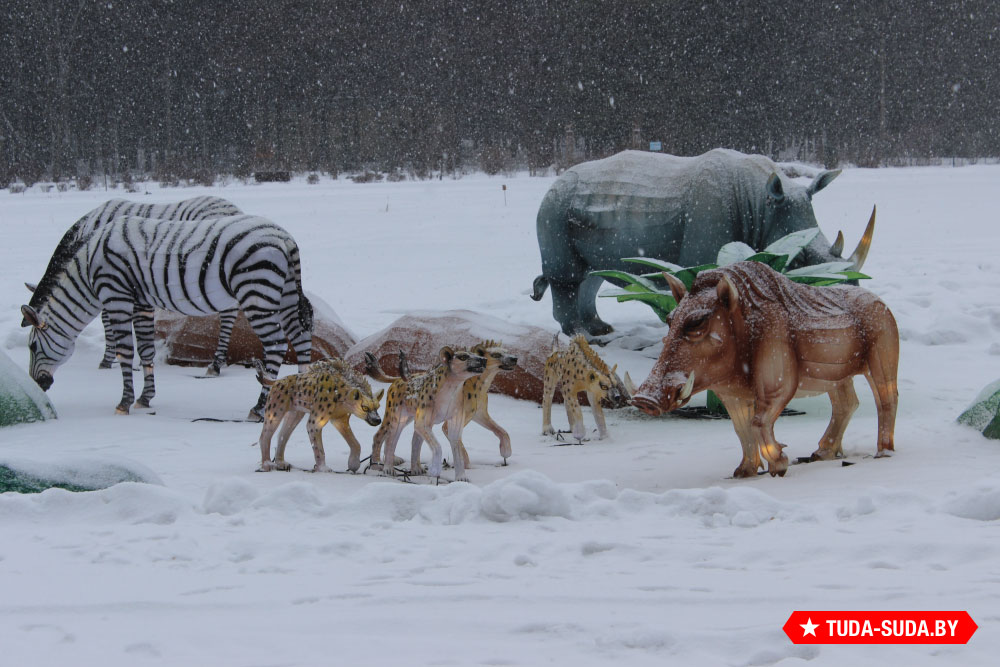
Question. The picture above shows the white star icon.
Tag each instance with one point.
(809, 628)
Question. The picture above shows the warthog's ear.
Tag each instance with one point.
(728, 296)
(446, 354)
(677, 287)
(774, 189)
(378, 396)
(821, 181)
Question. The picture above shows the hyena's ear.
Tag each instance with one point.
(356, 395)
(378, 396)
(479, 350)
(447, 353)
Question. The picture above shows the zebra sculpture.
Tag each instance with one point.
(130, 265)
(197, 208)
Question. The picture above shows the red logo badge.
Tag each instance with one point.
(880, 627)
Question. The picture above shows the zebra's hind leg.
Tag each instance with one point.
(109, 342)
(267, 325)
(227, 319)
(142, 322)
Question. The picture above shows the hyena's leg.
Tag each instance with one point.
(465, 454)
(548, 391)
(416, 443)
(143, 324)
(343, 426)
(844, 401)
(454, 434)
(484, 419)
(594, 398)
(574, 414)
(292, 419)
(227, 319)
(315, 426)
(391, 439)
(422, 424)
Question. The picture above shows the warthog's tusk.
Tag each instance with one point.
(837, 249)
(629, 385)
(686, 389)
(861, 252)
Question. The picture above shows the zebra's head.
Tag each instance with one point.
(48, 347)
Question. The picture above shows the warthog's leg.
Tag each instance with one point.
(741, 413)
(882, 378)
(844, 401)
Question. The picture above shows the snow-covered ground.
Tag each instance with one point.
(639, 550)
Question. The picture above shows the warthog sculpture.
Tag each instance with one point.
(757, 339)
(677, 209)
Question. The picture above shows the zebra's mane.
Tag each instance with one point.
(68, 246)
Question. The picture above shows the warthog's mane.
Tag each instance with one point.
(758, 286)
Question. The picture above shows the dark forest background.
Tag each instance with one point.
(196, 88)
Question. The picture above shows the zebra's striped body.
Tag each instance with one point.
(131, 265)
(197, 208)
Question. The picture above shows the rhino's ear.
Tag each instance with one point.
(821, 181)
(774, 189)
(728, 296)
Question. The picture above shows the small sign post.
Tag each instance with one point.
(655, 146)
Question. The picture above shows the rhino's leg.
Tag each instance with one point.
(589, 319)
(882, 365)
(741, 412)
(844, 401)
(565, 306)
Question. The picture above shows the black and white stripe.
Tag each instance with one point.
(128, 266)
(196, 208)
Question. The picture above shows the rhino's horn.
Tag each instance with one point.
(837, 249)
(860, 253)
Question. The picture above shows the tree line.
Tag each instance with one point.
(195, 88)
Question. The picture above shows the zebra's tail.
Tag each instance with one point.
(305, 308)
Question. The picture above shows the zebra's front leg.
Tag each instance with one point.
(109, 342)
(143, 324)
(123, 337)
(227, 320)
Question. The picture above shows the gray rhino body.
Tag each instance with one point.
(677, 209)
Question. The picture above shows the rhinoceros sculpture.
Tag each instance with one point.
(757, 339)
(677, 209)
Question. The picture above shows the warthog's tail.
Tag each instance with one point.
(539, 286)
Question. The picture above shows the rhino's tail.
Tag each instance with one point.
(539, 286)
